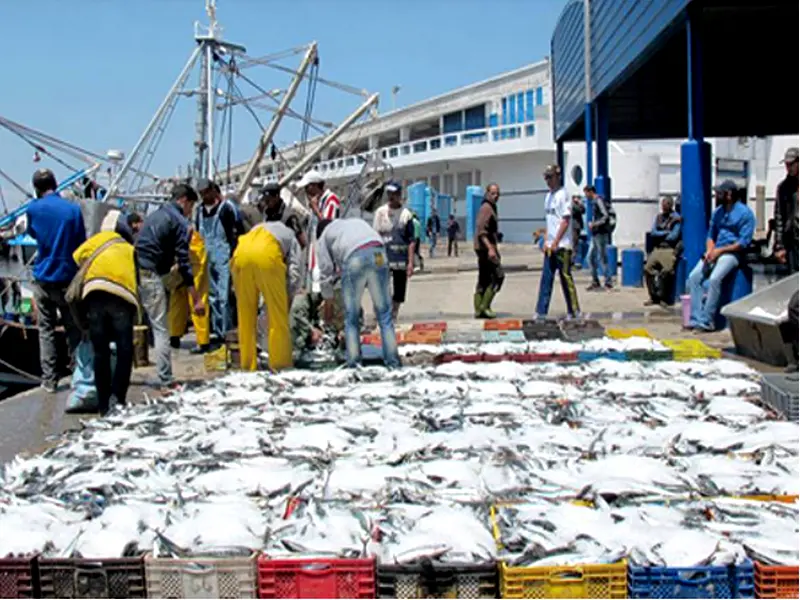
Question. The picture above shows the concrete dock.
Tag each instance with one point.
(30, 421)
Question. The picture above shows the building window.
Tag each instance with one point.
(420, 147)
(530, 130)
(405, 149)
(577, 175)
(350, 162)
(436, 143)
(393, 152)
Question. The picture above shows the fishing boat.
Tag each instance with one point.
(131, 186)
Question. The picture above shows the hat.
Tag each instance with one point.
(310, 177)
(270, 189)
(394, 187)
(791, 155)
(552, 170)
(204, 184)
(727, 186)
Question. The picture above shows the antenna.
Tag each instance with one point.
(211, 11)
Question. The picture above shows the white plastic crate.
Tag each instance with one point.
(201, 577)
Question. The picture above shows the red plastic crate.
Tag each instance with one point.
(17, 577)
(316, 578)
(502, 325)
(371, 340)
(494, 358)
(434, 326)
(776, 581)
(530, 357)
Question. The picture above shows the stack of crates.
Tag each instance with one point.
(691, 349)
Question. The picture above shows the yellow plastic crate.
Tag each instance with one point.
(691, 349)
(581, 581)
(621, 334)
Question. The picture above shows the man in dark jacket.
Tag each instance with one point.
(659, 271)
(57, 226)
(433, 229)
(578, 210)
(601, 227)
(490, 271)
(786, 227)
(453, 229)
(163, 241)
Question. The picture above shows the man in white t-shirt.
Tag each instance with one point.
(557, 246)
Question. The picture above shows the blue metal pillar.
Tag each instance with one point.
(603, 180)
(560, 156)
(695, 157)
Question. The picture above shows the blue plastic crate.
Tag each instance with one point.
(590, 355)
(515, 336)
(735, 581)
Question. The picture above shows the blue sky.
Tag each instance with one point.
(93, 72)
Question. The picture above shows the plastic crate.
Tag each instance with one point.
(541, 330)
(650, 355)
(780, 392)
(590, 355)
(581, 581)
(776, 581)
(316, 578)
(465, 358)
(434, 580)
(734, 581)
(537, 357)
(421, 337)
(618, 333)
(502, 325)
(580, 331)
(201, 577)
(434, 326)
(504, 335)
(85, 578)
(17, 577)
(691, 349)
(462, 337)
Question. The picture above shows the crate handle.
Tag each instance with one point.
(195, 568)
(694, 577)
(317, 569)
(571, 573)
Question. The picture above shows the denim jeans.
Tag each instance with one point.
(368, 268)
(155, 302)
(50, 302)
(703, 313)
(598, 258)
(557, 261)
(432, 248)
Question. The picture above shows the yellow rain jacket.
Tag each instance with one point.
(258, 269)
(112, 271)
(179, 301)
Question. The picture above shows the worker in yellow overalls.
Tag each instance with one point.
(179, 299)
(258, 268)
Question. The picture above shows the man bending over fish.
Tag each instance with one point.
(259, 267)
(351, 250)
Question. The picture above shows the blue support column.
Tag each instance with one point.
(603, 180)
(560, 156)
(587, 122)
(695, 158)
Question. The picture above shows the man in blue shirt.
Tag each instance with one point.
(162, 242)
(659, 272)
(57, 226)
(730, 232)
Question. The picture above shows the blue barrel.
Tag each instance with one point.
(611, 257)
(735, 287)
(632, 267)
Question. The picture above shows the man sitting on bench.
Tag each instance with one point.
(729, 234)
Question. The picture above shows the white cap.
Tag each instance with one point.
(311, 176)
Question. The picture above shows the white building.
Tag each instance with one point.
(499, 130)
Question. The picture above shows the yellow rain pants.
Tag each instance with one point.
(257, 268)
(180, 302)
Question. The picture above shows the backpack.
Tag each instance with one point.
(612, 216)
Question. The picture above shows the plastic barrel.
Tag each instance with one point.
(473, 203)
(632, 267)
(611, 256)
(680, 279)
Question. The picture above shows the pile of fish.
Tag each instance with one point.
(406, 464)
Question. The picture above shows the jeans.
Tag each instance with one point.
(598, 258)
(452, 244)
(111, 319)
(50, 302)
(368, 268)
(155, 302)
(557, 261)
(432, 248)
(219, 296)
(703, 313)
